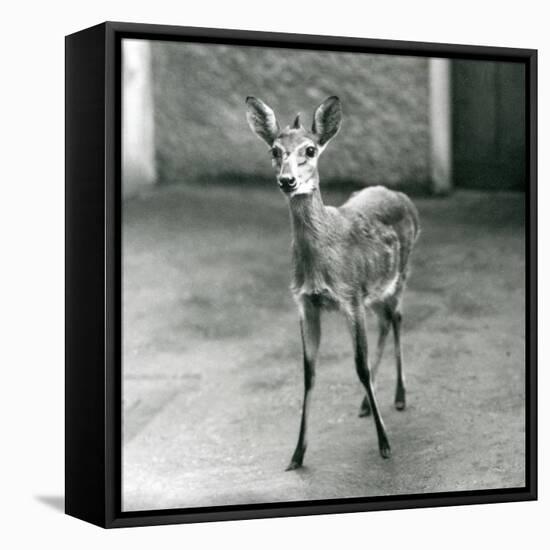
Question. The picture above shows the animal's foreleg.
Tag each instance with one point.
(310, 324)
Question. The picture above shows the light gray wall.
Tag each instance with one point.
(138, 135)
(199, 111)
(440, 125)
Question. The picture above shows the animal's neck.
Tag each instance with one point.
(311, 236)
(309, 218)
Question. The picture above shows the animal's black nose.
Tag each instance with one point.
(287, 181)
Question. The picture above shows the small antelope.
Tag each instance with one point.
(345, 258)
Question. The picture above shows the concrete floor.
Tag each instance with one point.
(212, 358)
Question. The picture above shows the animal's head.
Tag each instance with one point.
(295, 151)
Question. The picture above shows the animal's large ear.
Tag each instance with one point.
(261, 120)
(327, 119)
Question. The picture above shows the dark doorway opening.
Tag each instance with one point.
(489, 132)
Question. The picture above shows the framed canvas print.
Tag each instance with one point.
(301, 274)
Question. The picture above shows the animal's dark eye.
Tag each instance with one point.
(310, 152)
(275, 153)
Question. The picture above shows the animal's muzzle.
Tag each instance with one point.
(287, 183)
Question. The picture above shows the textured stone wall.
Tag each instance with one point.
(201, 131)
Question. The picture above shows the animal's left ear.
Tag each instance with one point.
(327, 119)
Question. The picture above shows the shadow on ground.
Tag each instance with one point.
(212, 360)
(56, 502)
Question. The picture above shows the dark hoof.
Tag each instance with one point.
(365, 409)
(297, 459)
(400, 399)
(293, 466)
(385, 450)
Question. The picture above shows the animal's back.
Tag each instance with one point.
(390, 208)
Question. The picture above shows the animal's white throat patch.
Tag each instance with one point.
(305, 188)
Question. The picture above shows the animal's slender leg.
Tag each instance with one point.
(359, 337)
(400, 401)
(310, 324)
(383, 330)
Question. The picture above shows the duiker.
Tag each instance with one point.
(347, 258)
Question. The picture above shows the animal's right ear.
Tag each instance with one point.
(261, 120)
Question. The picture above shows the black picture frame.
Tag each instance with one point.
(93, 274)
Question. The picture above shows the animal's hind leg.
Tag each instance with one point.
(359, 337)
(384, 323)
(400, 401)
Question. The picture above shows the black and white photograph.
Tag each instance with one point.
(323, 274)
(274, 275)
